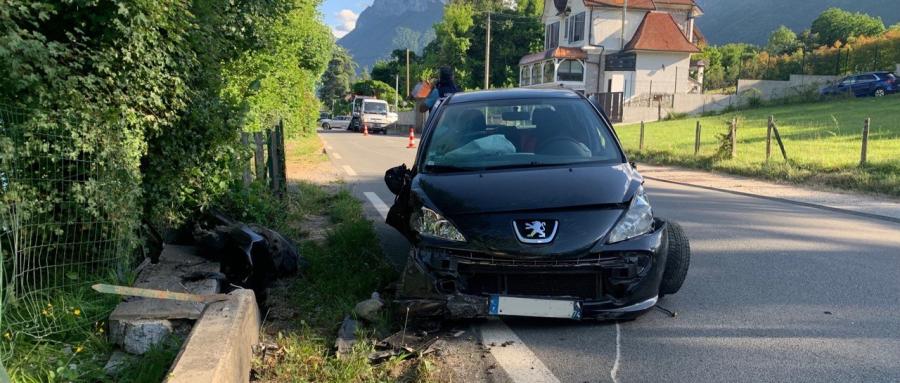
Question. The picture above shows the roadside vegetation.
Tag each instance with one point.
(822, 140)
(345, 265)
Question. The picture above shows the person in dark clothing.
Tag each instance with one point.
(446, 85)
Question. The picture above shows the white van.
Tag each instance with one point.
(373, 113)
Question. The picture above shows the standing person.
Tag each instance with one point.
(446, 84)
(443, 87)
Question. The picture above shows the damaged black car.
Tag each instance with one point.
(523, 203)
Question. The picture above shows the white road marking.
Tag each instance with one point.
(515, 358)
(336, 155)
(349, 171)
(615, 367)
(378, 203)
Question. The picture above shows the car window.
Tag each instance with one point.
(866, 77)
(519, 133)
(848, 80)
(375, 107)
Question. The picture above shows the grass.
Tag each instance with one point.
(344, 268)
(79, 352)
(822, 141)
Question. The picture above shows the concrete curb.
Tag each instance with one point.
(783, 200)
(220, 346)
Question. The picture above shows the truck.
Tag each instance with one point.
(372, 113)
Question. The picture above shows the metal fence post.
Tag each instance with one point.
(697, 139)
(865, 142)
(769, 138)
(641, 146)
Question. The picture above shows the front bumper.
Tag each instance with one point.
(610, 282)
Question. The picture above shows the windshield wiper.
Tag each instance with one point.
(533, 164)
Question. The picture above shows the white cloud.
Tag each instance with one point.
(347, 19)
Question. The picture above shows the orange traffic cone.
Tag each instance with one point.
(365, 130)
(412, 136)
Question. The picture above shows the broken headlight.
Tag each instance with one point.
(429, 223)
(638, 220)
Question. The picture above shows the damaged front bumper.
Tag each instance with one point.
(616, 281)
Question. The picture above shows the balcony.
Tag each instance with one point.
(555, 67)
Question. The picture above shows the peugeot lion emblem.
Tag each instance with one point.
(535, 230)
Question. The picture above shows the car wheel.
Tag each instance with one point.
(325, 126)
(678, 260)
(879, 92)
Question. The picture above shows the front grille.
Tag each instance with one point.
(583, 285)
(488, 259)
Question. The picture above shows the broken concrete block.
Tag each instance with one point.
(139, 336)
(346, 337)
(369, 308)
(117, 361)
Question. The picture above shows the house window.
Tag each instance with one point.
(536, 74)
(526, 76)
(568, 27)
(551, 36)
(575, 28)
(570, 70)
(549, 68)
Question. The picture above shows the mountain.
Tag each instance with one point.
(390, 24)
(728, 21)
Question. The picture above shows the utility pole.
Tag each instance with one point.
(397, 96)
(487, 54)
(407, 71)
(624, 11)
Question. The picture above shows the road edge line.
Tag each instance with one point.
(516, 359)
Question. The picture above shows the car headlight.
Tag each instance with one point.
(430, 223)
(638, 220)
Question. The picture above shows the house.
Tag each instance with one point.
(636, 47)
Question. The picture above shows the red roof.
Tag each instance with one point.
(632, 4)
(637, 4)
(555, 53)
(659, 32)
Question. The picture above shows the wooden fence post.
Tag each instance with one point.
(865, 142)
(277, 165)
(733, 137)
(769, 138)
(245, 142)
(641, 146)
(259, 156)
(697, 139)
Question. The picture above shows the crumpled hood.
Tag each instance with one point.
(586, 201)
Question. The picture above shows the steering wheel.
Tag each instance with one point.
(561, 145)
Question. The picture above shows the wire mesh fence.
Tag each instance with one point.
(66, 222)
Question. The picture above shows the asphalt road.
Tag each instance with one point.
(776, 292)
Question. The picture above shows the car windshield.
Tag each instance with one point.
(375, 107)
(517, 134)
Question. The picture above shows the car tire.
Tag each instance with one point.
(879, 92)
(678, 260)
(325, 126)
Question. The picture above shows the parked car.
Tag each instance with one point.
(522, 202)
(339, 122)
(875, 84)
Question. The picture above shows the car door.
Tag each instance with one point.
(845, 86)
(863, 85)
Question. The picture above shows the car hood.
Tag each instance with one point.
(585, 200)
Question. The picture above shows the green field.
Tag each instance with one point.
(823, 142)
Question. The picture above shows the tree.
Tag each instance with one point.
(514, 33)
(335, 83)
(375, 88)
(782, 40)
(452, 38)
(835, 24)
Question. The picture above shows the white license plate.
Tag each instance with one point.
(534, 307)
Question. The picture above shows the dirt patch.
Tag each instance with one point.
(306, 161)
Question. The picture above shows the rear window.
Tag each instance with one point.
(518, 134)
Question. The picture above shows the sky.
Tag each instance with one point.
(341, 15)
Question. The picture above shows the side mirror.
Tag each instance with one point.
(395, 178)
(633, 165)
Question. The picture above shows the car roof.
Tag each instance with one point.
(509, 94)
